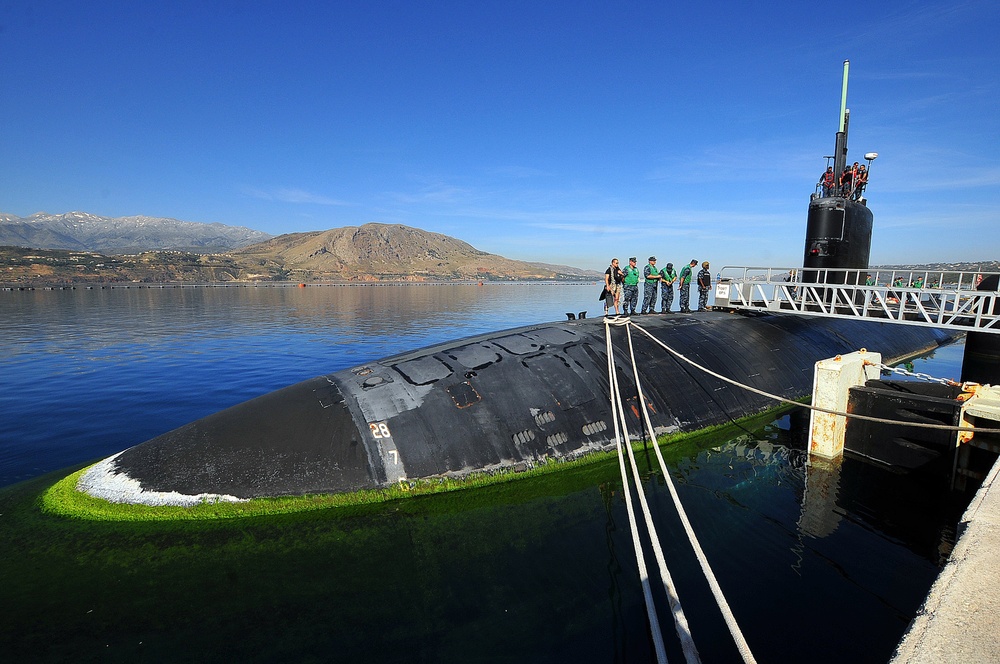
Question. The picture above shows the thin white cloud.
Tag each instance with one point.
(900, 75)
(912, 24)
(943, 219)
(292, 195)
(728, 162)
(438, 193)
(520, 172)
(959, 179)
(951, 171)
(584, 219)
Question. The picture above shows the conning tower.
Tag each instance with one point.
(839, 225)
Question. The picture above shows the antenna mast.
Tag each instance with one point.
(840, 151)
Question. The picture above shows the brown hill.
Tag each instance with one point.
(372, 252)
(389, 252)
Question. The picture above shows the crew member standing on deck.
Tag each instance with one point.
(613, 278)
(893, 296)
(685, 281)
(652, 277)
(704, 285)
(630, 287)
(667, 278)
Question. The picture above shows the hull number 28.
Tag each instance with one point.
(379, 430)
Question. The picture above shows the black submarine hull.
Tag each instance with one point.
(506, 400)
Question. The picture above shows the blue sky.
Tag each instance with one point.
(564, 132)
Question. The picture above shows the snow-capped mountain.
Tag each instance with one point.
(88, 232)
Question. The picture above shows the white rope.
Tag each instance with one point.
(706, 568)
(616, 409)
(680, 620)
(818, 409)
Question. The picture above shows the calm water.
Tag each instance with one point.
(87, 373)
(820, 564)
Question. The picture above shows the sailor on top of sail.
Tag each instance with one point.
(828, 180)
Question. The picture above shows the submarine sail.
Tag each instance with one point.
(839, 222)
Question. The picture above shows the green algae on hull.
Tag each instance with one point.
(65, 500)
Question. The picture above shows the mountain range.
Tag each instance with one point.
(80, 231)
(77, 247)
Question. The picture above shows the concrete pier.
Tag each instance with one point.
(960, 619)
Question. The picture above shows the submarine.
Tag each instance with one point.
(506, 400)
(513, 399)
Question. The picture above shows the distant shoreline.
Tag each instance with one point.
(288, 284)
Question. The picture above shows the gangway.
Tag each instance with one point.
(941, 299)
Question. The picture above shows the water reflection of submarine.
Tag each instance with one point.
(760, 461)
(501, 401)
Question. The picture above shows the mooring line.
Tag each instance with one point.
(680, 620)
(818, 409)
(616, 411)
(706, 568)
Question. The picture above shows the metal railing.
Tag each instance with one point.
(853, 192)
(942, 299)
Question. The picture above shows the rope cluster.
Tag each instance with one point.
(621, 430)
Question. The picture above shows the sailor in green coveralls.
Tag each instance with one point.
(652, 276)
(630, 287)
(685, 282)
(667, 279)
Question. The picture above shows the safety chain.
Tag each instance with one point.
(914, 374)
